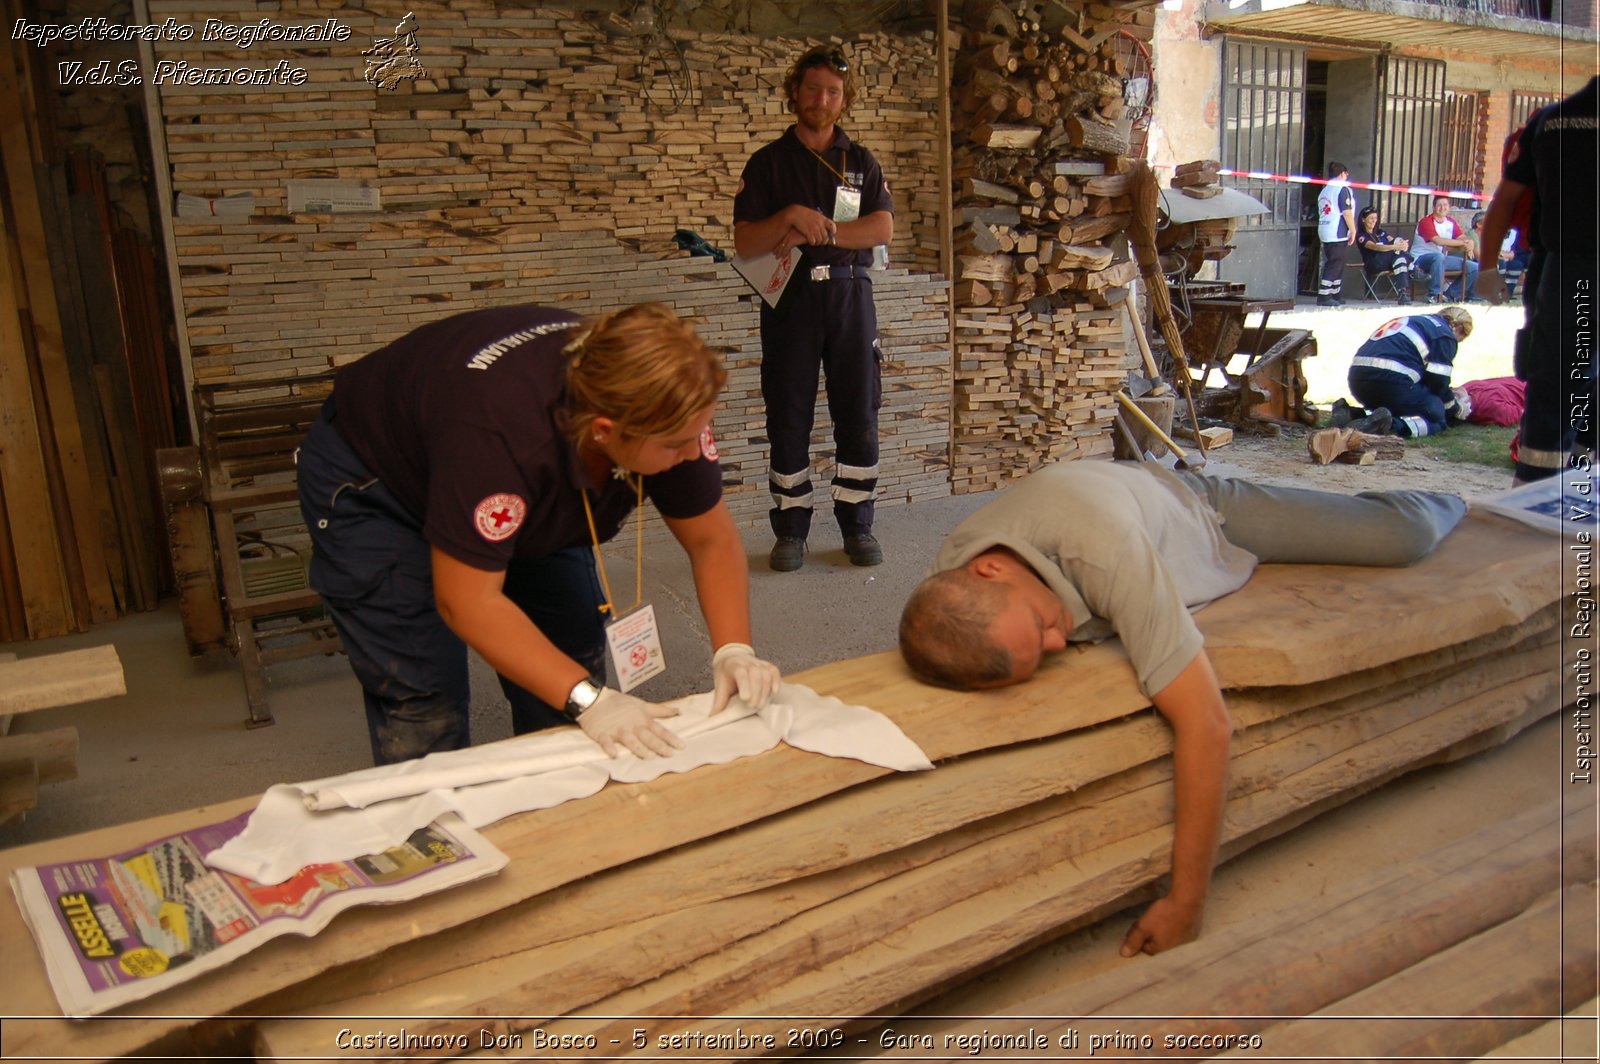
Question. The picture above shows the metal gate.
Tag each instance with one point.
(1263, 129)
(1523, 104)
(1411, 101)
(1461, 149)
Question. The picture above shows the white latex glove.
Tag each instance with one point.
(1491, 286)
(617, 720)
(736, 669)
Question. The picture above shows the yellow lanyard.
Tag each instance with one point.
(638, 560)
(845, 181)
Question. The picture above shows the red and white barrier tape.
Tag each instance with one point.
(1376, 186)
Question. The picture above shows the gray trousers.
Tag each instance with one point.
(1306, 527)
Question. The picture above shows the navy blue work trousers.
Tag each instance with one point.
(1556, 357)
(830, 326)
(1416, 410)
(374, 571)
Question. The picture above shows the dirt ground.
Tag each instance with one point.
(1339, 332)
(1284, 460)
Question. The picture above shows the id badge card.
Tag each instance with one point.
(846, 204)
(634, 643)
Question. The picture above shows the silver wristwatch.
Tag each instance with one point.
(583, 695)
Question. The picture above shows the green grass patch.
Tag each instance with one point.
(1486, 445)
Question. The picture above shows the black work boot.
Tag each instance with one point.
(788, 554)
(1376, 423)
(863, 549)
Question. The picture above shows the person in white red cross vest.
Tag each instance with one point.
(1336, 229)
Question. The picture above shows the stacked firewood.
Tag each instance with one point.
(1041, 193)
(1203, 241)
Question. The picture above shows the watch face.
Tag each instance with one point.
(583, 695)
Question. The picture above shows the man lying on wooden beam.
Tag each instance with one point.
(1082, 551)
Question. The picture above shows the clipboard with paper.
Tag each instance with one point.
(768, 274)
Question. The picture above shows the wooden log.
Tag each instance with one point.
(1419, 609)
(1005, 137)
(1469, 999)
(881, 970)
(1109, 185)
(1118, 273)
(969, 293)
(53, 753)
(1081, 257)
(998, 267)
(972, 188)
(1094, 135)
(1311, 955)
(19, 786)
(1572, 1037)
(61, 679)
(77, 507)
(1099, 228)
(1190, 178)
(993, 17)
(1202, 192)
(1216, 436)
(993, 852)
(39, 576)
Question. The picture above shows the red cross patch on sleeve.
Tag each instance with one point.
(499, 516)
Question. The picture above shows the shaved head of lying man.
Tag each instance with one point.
(1081, 551)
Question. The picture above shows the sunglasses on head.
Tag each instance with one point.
(832, 59)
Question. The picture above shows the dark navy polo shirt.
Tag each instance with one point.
(786, 172)
(1556, 156)
(461, 420)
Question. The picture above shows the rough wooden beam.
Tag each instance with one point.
(61, 679)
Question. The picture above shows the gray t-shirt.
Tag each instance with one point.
(1129, 550)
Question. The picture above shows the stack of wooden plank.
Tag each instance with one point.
(1041, 195)
(527, 166)
(590, 272)
(793, 885)
(82, 381)
(44, 682)
(528, 125)
(1462, 950)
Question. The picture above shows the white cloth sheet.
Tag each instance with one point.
(372, 809)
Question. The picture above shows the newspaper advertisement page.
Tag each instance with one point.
(116, 929)
(1564, 504)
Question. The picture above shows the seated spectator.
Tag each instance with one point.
(1512, 259)
(1442, 246)
(1382, 253)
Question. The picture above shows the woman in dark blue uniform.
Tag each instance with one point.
(457, 487)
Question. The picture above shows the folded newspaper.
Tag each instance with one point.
(1567, 503)
(116, 929)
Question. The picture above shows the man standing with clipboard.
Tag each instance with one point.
(816, 190)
